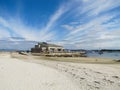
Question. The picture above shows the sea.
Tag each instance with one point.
(112, 55)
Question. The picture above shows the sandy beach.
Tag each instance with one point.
(28, 73)
(20, 75)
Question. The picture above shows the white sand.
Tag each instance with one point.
(20, 75)
(88, 76)
(53, 75)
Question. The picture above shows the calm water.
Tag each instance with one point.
(113, 55)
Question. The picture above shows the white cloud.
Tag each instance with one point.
(68, 27)
(4, 22)
(4, 33)
(14, 27)
(95, 7)
(97, 30)
(96, 33)
(53, 20)
(55, 17)
(92, 26)
(30, 33)
(19, 29)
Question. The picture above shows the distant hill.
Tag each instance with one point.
(111, 50)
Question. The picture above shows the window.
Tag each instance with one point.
(59, 50)
(52, 49)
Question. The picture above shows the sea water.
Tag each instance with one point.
(112, 55)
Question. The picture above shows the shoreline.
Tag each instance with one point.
(90, 60)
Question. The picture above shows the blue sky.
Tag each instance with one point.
(76, 24)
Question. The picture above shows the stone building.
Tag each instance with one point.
(47, 48)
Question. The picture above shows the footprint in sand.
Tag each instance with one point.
(116, 77)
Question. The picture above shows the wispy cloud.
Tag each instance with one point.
(68, 27)
(95, 7)
(100, 31)
(15, 35)
(55, 17)
(14, 30)
(53, 20)
(81, 23)
(19, 29)
(31, 33)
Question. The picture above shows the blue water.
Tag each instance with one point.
(112, 55)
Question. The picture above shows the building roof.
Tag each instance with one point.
(48, 45)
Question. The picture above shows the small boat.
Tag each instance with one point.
(100, 52)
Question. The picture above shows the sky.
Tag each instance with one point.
(74, 24)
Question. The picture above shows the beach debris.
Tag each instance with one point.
(97, 82)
